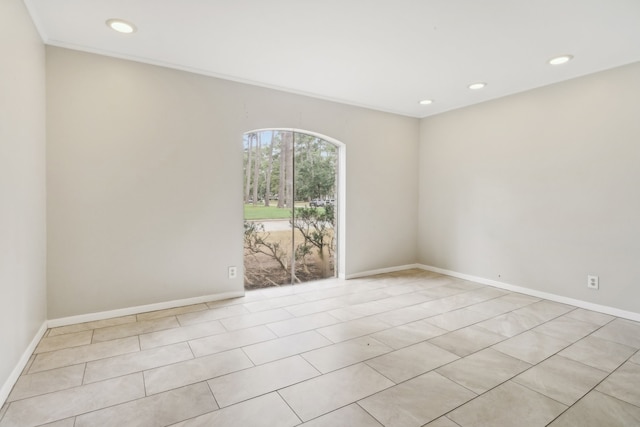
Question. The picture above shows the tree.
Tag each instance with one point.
(247, 167)
(285, 188)
(256, 170)
(267, 191)
(256, 241)
(290, 197)
(281, 180)
(316, 165)
(316, 226)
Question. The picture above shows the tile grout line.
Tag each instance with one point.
(144, 383)
(369, 413)
(455, 423)
(84, 373)
(214, 396)
(289, 406)
(93, 360)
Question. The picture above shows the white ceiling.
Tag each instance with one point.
(381, 54)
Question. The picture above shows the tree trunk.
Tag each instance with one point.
(289, 172)
(256, 170)
(325, 261)
(283, 160)
(267, 192)
(247, 188)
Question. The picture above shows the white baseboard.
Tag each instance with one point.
(90, 317)
(15, 374)
(382, 271)
(539, 294)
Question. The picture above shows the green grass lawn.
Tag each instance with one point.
(262, 212)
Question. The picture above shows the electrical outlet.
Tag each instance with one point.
(233, 272)
(592, 282)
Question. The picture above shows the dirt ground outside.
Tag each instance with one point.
(261, 271)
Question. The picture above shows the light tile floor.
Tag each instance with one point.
(412, 348)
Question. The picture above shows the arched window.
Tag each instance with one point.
(293, 207)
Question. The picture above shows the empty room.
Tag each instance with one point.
(282, 213)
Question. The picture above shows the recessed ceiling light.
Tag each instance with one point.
(121, 26)
(558, 60)
(426, 102)
(476, 86)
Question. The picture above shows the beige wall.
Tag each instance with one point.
(22, 185)
(145, 180)
(539, 189)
